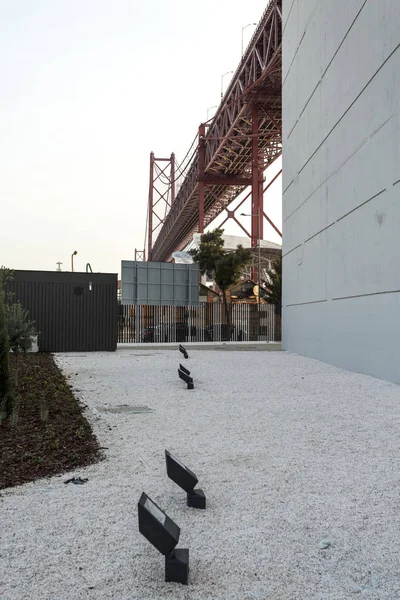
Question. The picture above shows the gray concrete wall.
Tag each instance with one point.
(341, 183)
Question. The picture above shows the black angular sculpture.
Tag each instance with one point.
(163, 534)
(183, 350)
(186, 479)
(187, 379)
(182, 368)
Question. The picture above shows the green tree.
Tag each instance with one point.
(224, 267)
(273, 286)
(209, 252)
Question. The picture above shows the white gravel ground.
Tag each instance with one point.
(289, 451)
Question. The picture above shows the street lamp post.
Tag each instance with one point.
(208, 110)
(245, 27)
(258, 215)
(72, 259)
(222, 82)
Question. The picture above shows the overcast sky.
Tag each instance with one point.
(88, 89)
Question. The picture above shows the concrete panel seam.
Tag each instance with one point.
(364, 141)
(286, 188)
(287, 18)
(327, 67)
(350, 106)
(341, 43)
(297, 49)
(305, 106)
(362, 204)
(337, 220)
(292, 250)
(320, 231)
(304, 303)
(368, 294)
(293, 59)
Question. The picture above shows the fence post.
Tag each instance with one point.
(137, 333)
(273, 317)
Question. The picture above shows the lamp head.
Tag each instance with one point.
(156, 526)
(179, 473)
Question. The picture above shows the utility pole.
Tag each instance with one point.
(58, 266)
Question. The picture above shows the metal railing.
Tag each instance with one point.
(207, 322)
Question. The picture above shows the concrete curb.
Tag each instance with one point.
(259, 346)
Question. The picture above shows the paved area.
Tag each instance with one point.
(299, 461)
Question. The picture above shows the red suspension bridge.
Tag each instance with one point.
(229, 154)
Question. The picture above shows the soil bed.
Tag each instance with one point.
(50, 435)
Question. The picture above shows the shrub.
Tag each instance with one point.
(20, 328)
(5, 390)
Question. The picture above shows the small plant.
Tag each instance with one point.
(80, 432)
(16, 331)
(28, 455)
(20, 330)
(15, 409)
(5, 387)
(44, 410)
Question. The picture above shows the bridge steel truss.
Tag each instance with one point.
(233, 151)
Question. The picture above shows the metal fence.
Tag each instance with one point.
(207, 322)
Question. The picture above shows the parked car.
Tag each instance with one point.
(168, 332)
(149, 334)
(223, 332)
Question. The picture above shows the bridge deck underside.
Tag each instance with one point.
(229, 154)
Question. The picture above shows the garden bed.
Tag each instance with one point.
(50, 435)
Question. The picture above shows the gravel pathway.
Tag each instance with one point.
(301, 476)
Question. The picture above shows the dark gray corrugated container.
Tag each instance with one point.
(74, 312)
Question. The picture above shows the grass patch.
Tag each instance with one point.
(47, 433)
